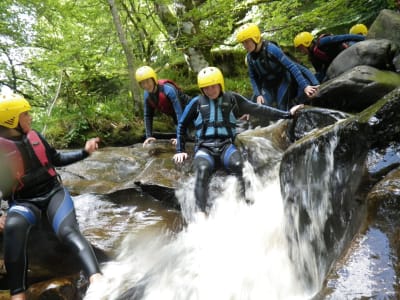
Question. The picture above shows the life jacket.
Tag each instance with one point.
(15, 156)
(160, 101)
(266, 66)
(327, 53)
(214, 121)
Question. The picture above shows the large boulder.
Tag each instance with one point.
(381, 54)
(323, 180)
(386, 26)
(356, 89)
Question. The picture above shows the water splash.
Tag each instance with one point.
(239, 252)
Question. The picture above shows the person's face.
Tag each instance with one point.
(249, 45)
(212, 91)
(148, 84)
(25, 121)
(303, 49)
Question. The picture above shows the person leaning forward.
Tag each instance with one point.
(31, 185)
(272, 73)
(321, 51)
(162, 95)
(214, 114)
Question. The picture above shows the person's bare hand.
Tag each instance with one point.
(296, 108)
(260, 100)
(180, 157)
(245, 117)
(148, 141)
(311, 90)
(92, 145)
(2, 222)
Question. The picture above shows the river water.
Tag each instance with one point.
(239, 252)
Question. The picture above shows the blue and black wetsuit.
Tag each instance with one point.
(166, 100)
(323, 50)
(39, 194)
(272, 73)
(215, 122)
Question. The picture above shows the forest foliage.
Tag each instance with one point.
(74, 60)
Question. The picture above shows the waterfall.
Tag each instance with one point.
(239, 252)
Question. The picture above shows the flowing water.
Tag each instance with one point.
(239, 252)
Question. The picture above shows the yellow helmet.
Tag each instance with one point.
(210, 76)
(248, 31)
(303, 38)
(359, 29)
(11, 106)
(144, 73)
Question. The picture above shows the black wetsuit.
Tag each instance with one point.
(42, 195)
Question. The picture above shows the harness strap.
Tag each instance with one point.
(14, 154)
(40, 151)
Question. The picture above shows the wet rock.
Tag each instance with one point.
(381, 54)
(386, 191)
(386, 26)
(383, 160)
(356, 89)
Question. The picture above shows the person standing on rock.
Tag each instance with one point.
(273, 75)
(214, 114)
(30, 183)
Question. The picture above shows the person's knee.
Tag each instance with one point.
(235, 164)
(203, 168)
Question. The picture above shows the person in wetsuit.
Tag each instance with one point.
(162, 95)
(272, 73)
(323, 50)
(214, 114)
(30, 184)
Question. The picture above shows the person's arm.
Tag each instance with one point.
(60, 159)
(288, 64)
(245, 106)
(148, 117)
(253, 77)
(172, 94)
(340, 38)
(294, 69)
(189, 114)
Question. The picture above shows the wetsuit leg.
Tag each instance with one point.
(20, 219)
(204, 164)
(233, 163)
(283, 94)
(62, 217)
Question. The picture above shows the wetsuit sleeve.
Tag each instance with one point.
(253, 77)
(245, 106)
(172, 94)
(188, 116)
(288, 64)
(341, 38)
(59, 159)
(148, 116)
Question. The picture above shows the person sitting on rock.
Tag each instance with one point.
(272, 73)
(215, 114)
(30, 183)
(322, 50)
(162, 95)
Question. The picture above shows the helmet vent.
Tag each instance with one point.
(10, 121)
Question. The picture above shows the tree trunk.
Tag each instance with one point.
(128, 54)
